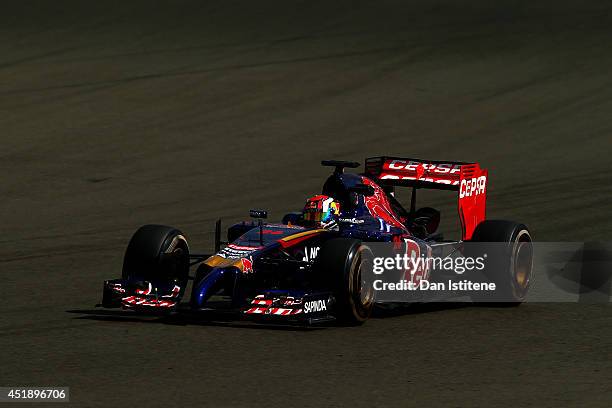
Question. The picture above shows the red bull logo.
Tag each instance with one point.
(247, 265)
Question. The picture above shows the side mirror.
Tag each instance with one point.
(258, 213)
(362, 189)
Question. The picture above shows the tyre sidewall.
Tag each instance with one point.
(338, 264)
(501, 262)
(149, 255)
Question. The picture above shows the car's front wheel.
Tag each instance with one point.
(344, 262)
(157, 253)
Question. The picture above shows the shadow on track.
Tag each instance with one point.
(185, 318)
(233, 319)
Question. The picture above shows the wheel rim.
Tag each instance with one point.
(363, 293)
(523, 264)
(176, 264)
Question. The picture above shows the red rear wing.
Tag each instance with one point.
(468, 179)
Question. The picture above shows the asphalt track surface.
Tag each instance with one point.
(117, 114)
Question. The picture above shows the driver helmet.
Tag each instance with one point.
(321, 210)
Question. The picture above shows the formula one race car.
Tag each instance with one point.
(310, 267)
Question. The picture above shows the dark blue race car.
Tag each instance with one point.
(311, 267)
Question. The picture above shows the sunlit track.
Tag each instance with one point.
(115, 114)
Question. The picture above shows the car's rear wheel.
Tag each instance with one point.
(509, 262)
(344, 262)
(157, 253)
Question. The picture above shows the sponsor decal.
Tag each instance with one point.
(472, 187)
(174, 292)
(272, 232)
(310, 254)
(351, 220)
(236, 251)
(417, 269)
(288, 306)
(389, 176)
(314, 306)
(242, 247)
(418, 167)
(146, 291)
(247, 265)
(443, 173)
(117, 288)
(290, 301)
(378, 205)
(135, 301)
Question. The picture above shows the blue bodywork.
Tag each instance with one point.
(355, 221)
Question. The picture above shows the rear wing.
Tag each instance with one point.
(468, 179)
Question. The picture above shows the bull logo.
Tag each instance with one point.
(247, 265)
(420, 170)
